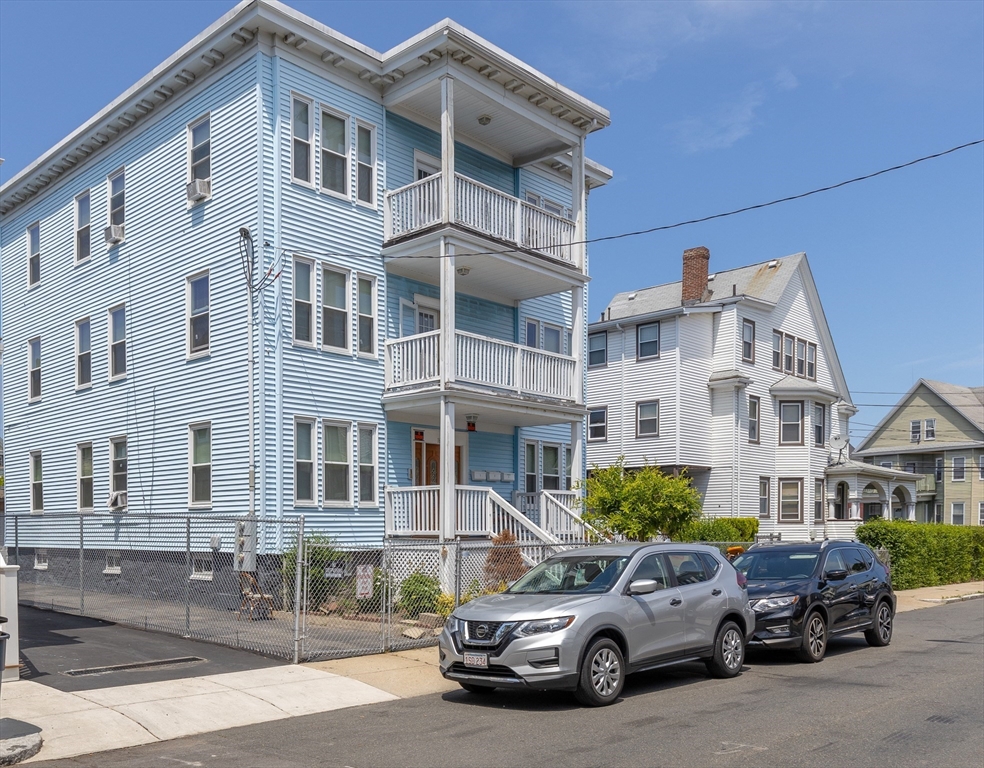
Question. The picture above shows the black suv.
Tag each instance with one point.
(803, 594)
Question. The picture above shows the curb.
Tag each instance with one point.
(26, 741)
(958, 599)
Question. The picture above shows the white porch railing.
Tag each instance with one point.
(483, 209)
(413, 511)
(557, 518)
(840, 529)
(415, 361)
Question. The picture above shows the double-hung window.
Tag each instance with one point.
(764, 497)
(37, 486)
(303, 312)
(119, 467)
(598, 424)
(117, 198)
(552, 336)
(777, 350)
(198, 315)
(819, 424)
(598, 348)
(647, 419)
(915, 431)
(303, 462)
(939, 470)
(551, 468)
(367, 465)
(647, 340)
(82, 227)
(791, 423)
(754, 418)
(117, 343)
(569, 465)
(367, 316)
(930, 429)
(300, 130)
(34, 254)
(334, 154)
(533, 333)
(335, 310)
(200, 150)
(811, 361)
(34, 361)
(532, 469)
(818, 501)
(959, 466)
(980, 513)
(787, 353)
(201, 464)
(337, 471)
(790, 500)
(366, 158)
(980, 467)
(800, 357)
(748, 341)
(83, 353)
(957, 512)
(85, 476)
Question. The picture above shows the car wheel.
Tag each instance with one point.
(729, 651)
(602, 674)
(482, 690)
(814, 638)
(880, 634)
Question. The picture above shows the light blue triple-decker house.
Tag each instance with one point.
(286, 275)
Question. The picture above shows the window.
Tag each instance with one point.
(687, 567)
(117, 198)
(790, 501)
(302, 302)
(569, 465)
(83, 354)
(939, 470)
(200, 150)
(777, 350)
(980, 467)
(787, 353)
(959, 463)
(980, 513)
(334, 310)
(334, 157)
(957, 512)
(886, 464)
(41, 559)
(33, 254)
(367, 316)
(202, 566)
(34, 360)
(930, 429)
(598, 424)
(336, 464)
(938, 514)
(300, 129)
(647, 419)
(303, 462)
(367, 465)
(748, 341)
(800, 357)
(790, 423)
(551, 468)
(366, 158)
(811, 361)
(82, 228)
(765, 501)
(598, 348)
(531, 468)
(569, 341)
(648, 340)
(551, 338)
(819, 424)
(112, 563)
(818, 499)
(85, 476)
(910, 466)
(753, 418)
(533, 334)
(198, 315)
(915, 431)
(117, 343)
(37, 490)
(201, 465)
(118, 448)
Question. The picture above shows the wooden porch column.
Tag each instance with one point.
(447, 149)
(577, 453)
(448, 501)
(578, 205)
(447, 372)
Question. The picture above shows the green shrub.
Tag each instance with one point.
(720, 529)
(419, 594)
(925, 554)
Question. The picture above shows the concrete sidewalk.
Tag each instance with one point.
(86, 721)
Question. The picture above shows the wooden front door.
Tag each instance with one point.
(432, 464)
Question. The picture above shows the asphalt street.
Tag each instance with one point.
(918, 702)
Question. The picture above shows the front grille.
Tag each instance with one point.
(482, 631)
(494, 670)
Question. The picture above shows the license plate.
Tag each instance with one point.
(477, 660)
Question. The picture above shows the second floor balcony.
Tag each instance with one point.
(416, 208)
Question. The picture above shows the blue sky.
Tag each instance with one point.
(715, 105)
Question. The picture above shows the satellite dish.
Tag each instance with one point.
(838, 442)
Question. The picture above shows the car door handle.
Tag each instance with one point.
(715, 592)
(676, 601)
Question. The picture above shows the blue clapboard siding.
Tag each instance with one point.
(472, 315)
(544, 184)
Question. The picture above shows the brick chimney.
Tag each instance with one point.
(695, 262)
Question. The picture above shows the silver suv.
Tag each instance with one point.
(585, 618)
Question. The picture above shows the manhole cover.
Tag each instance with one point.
(137, 665)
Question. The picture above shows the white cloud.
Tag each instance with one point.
(785, 80)
(734, 121)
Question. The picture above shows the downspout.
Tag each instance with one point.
(621, 393)
(260, 352)
(279, 302)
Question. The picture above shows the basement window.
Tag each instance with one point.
(201, 566)
(112, 564)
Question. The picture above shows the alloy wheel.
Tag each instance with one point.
(732, 649)
(885, 623)
(817, 636)
(606, 671)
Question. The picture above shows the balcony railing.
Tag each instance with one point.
(483, 209)
(926, 485)
(414, 361)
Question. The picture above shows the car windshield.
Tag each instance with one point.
(571, 574)
(776, 566)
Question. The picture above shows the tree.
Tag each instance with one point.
(639, 504)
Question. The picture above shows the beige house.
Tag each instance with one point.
(937, 430)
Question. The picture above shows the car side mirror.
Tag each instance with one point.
(837, 575)
(643, 587)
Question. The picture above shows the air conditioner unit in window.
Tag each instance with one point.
(199, 189)
(117, 501)
(114, 234)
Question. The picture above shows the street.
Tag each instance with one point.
(918, 702)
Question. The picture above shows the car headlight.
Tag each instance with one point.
(541, 626)
(772, 603)
(451, 625)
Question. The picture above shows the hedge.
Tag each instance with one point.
(926, 554)
(721, 529)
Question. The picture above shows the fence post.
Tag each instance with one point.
(81, 565)
(298, 571)
(17, 540)
(387, 607)
(187, 576)
(457, 573)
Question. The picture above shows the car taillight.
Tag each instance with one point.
(742, 581)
